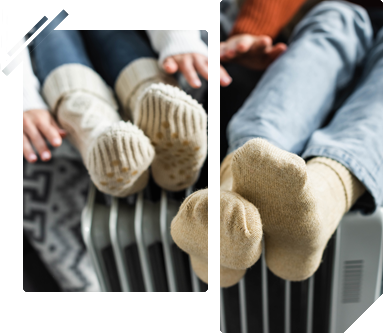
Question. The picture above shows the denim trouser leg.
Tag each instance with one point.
(112, 50)
(297, 92)
(354, 136)
(58, 48)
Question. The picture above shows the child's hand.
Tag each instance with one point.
(38, 126)
(254, 52)
(188, 64)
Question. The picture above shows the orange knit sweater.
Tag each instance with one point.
(265, 17)
(268, 17)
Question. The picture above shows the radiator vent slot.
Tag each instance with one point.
(352, 281)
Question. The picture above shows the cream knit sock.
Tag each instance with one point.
(300, 205)
(116, 154)
(220, 230)
(174, 122)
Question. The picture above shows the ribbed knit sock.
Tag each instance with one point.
(174, 122)
(116, 154)
(220, 230)
(301, 206)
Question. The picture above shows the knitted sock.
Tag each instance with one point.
(220, 230)
(300, 205)
(174, 122)
(116, 154)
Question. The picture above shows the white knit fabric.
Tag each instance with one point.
(169, 27)
(19, 87)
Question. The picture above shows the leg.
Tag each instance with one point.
(116, 154)
(302, 205)
(112, 50)
(354, 136)
(290, 102)
(172, 120)
(297, 92)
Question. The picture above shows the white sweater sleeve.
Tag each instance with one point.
(169, 27)
(19, 87)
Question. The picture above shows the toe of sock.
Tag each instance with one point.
(219, 226)
(292, 262)
(120, 155)
(172, 176)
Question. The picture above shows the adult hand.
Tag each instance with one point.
(189, 64)
(38, 126)
(254, 52)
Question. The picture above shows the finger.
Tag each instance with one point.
(276, 51)
(230, 50)
(50, 132)
(225, 78)
(170, 65)
(12, 148)
(201, 64)
(262, 44)
(187, 69)
(222, 49)
(39, 143)
(243, 45)
(62, 132)
(28, 151)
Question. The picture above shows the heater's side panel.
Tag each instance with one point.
(359, 268)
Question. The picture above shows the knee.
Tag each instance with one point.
(343, 10)
(338, 16)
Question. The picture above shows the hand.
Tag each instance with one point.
(191, 63)
(254, 52)
(38, 126)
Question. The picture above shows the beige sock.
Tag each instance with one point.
(300, 205)
(174, 122)
(116, 154)
(220, 230)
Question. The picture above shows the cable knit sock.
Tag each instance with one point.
(174, 122)
(300, 205)
(116, 154)
(220, 230)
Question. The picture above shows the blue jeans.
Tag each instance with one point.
(106, 51)
(294, 102)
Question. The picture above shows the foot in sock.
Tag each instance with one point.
(176, 126)
(174, 122)
(116, 154)
(240, 234)
(300, 205)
